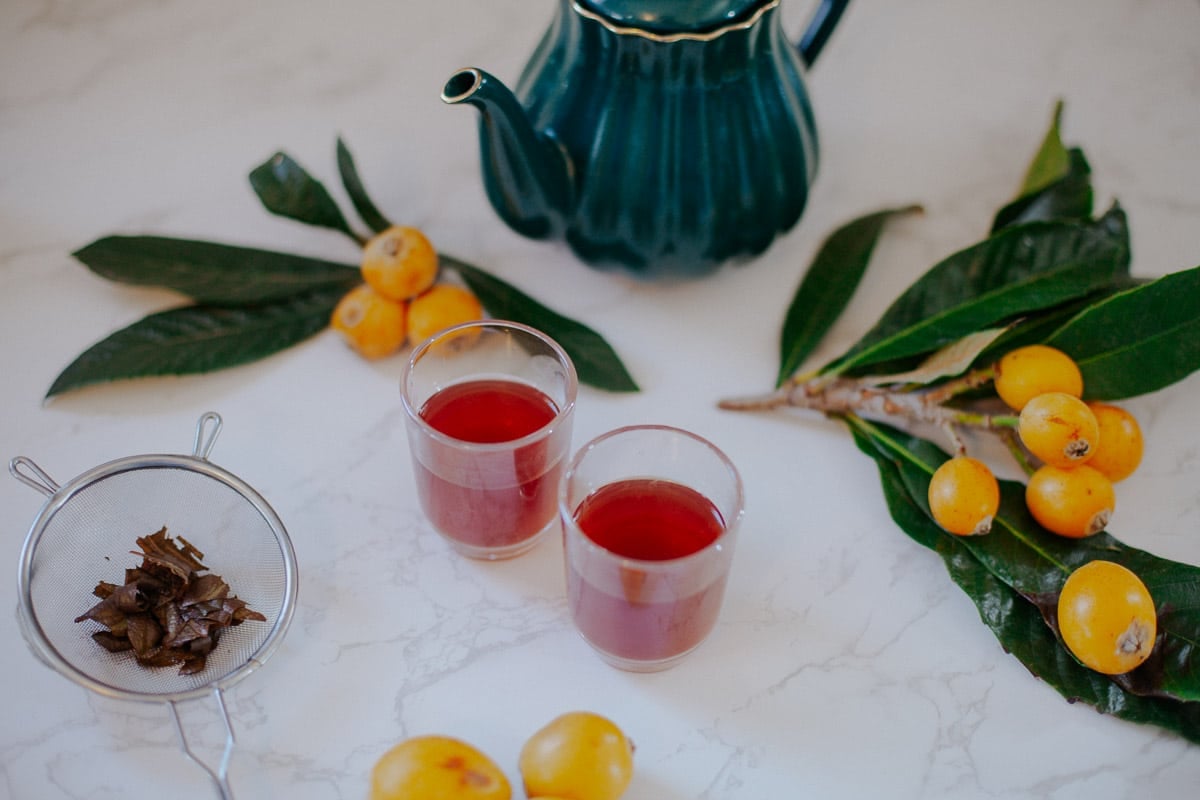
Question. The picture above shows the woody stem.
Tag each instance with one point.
(845, 396)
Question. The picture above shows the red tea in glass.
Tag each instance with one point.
(648, 520)
(489, 420)
(648, 556)
(496, 502)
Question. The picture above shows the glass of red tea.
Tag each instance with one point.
(489, 407)
(650, 515)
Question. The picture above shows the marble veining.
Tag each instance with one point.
(845, 664)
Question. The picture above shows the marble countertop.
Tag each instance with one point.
(845, 664)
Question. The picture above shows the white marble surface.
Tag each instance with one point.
(845, 665)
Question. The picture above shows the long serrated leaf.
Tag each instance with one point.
(827, 287)
(953, 359)
(1016, 271)
(1037, 328)
(1035, 562)
(1068, 198)
(196, 339)
(1057, 183)
(1138, 340)
(1051, 162)
(363, 204)
(595, 361)
(286, 189)
(212, 273)
(1018, 624)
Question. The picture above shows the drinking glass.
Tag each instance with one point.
(488, 408)
(650, 516)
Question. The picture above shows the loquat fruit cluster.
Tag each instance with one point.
(1083, 449)
(1105, 614)
(579, 755)
(402, 299)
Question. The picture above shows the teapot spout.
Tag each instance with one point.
(528, 175)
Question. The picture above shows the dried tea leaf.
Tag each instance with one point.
(244, 612)
(143, 633)
(157, 548)
(111, 642)
(192, 629)
(162, 657)
(193, 664)
(112, 610)
(203, 588)
(166, 612)
(169, 619)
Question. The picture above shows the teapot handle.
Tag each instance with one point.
(823, 21)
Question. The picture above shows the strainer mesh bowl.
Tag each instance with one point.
(90, 535)
(87, 532)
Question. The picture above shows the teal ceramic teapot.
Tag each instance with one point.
(662, 137)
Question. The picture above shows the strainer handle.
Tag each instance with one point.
(38, 480)
(207, 429)
(220, 775)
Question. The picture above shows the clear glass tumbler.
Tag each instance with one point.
(488, 408)
(650, 516)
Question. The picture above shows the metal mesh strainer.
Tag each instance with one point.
(85, 533)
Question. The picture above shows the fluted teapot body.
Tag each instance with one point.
(662, 138)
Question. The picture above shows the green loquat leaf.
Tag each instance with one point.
(286, 189)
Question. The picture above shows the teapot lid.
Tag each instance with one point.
(672, 16)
